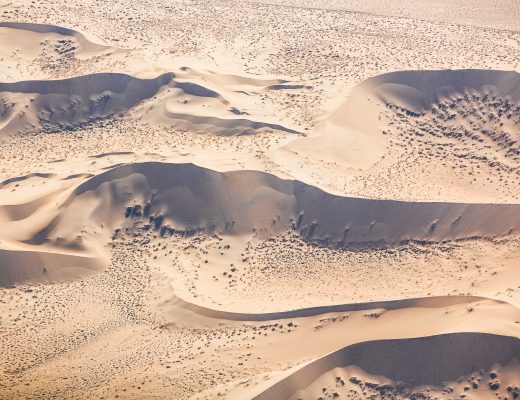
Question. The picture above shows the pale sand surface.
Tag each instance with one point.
(260, 199)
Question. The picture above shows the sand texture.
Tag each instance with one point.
(260, 200)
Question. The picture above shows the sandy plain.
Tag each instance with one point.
(260, 199)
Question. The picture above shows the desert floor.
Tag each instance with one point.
(260, 199)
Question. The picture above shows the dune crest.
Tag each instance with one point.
(69, 103)
(86, 44)
(424, 361)
(188, 197)
(454, 129)
(353, 133)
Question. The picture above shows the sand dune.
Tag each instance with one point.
(23, 216)
(217, 103)
(40, 266)
(354, 132)
(419, 90)
(69, 103)
(51, 51)
(426, 302)
(187, 197)
(86, 44)
(456, 127)
(72, 103)
(298, 200)
(415, 362)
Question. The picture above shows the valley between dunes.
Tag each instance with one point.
(257, 200)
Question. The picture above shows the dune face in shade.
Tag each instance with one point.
(427, 361)
(186, 199)
(260, 200)
(67, 104)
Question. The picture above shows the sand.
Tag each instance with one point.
(260, 200)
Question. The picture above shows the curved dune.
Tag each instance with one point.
(452, 104)
(430, 360)
(72, 102)
(227, 126)
(423, 302)
(53, 52)
(86, 44)
(184, 198)
(190, 104)
(189, 197)
(30, 40)
(418, 90)
(68, 103)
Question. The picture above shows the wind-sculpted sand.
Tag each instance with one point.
(427, 361)
(257, 200)
(68, 103)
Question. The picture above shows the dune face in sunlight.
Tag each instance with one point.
(259, 200)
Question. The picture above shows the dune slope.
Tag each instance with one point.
(191, 198)
(430, 360)
(68, 103)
